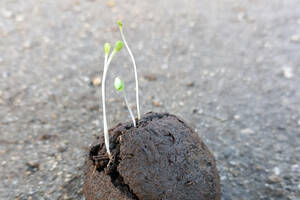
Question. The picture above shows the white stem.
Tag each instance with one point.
(129, 109)
(98, 91)
(106, 65)
(135, 74)
(99, 94)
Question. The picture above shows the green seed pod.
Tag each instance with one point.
(120, 24)
(106, 48)
(119, 84)
(118, 46)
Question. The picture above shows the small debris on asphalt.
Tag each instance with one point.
(7, 13)
(276, 171)
(61, 148)
(156, 103)
(32, 166)
(27, 45)
(295, 38)
(236, 117)
(111, 3)
(190, 84)
(150, 77)
(241, 16)
(19, 18)
(96, 81)
(46, 136)
(287, 72)
(54, 116)
(94, 107)
(273, 179)
(247, 131)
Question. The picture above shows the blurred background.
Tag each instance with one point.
(229, 68)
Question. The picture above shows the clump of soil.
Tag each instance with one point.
(161, 159)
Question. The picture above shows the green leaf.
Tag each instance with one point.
(118, 46)
(119, 84)
(120, 24)
(106, 48)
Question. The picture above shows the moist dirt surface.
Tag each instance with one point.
(230, 69)
(161, 158)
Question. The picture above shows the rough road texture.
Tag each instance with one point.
(229, 68)
(161, 159)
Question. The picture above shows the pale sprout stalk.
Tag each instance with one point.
(135, 71)
(118, 47)
(119, 85)
(129, 109)
(103, 106)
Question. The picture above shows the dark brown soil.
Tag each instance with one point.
(160, 159)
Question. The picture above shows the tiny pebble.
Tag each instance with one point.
(273, 179)
(45, 137)
(164, 66)
(54, 116)
(287, 72)
(233, 163)
(7, 13)
(111, 3)
(241, 16)
(156, 103)
(247, 131)
(276, 170)
(236, 117)
(61, 148)
(27, 45)
(46, 40)
(19, 18)
(96, 81)
(295, 38)
(190, 84)
(150, 77)
(296, 167)
(33, 166)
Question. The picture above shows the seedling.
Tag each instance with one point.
(107, 60)
(134, 67)
(119, 85)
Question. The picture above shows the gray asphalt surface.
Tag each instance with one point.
(229, 68)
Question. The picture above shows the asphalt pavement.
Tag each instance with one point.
(229, 68)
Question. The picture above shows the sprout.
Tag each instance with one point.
(118, 46)
(120, 24)
(106, 48)
(134, 67)
(119, 85)
(107, 60)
